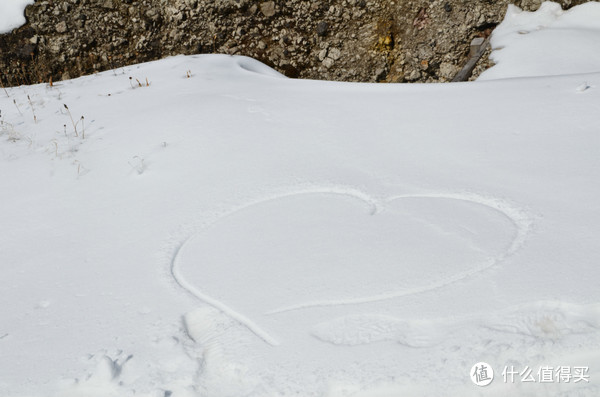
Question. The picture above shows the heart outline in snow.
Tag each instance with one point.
(518, 217)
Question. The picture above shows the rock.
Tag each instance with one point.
(380, 73)
(322, 54)
(353, 40)
(414, 75)
(448, 70)
(334, 53)
(61, 27)
(268, 8)
(322, 28)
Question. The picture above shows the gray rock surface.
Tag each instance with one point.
(351, 40)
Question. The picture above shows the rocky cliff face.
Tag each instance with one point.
(351, 40)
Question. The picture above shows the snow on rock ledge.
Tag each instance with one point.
(546, 42)
(11, 14)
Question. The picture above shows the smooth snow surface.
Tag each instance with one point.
(11, 14)
(238, 233)
(546, 42)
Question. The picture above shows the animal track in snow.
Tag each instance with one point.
(301, 243)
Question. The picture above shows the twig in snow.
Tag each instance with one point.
(32, 109)
(17, 106)
(72, 121)
(4, 88)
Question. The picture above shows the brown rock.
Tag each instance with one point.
(268, 8)
(61, 27)
(352, 40)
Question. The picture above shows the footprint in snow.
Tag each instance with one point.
(544, 320)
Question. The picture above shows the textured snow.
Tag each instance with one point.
(238, 233)
(546, 42)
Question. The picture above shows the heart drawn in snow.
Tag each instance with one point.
(328, 247)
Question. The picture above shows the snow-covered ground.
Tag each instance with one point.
(547, 42)
(11, 14)
(203, 226)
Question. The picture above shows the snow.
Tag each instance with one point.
(11, 14)
(546, 42)
(238, 233)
